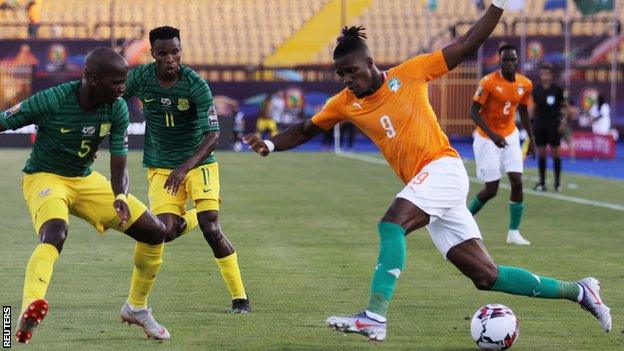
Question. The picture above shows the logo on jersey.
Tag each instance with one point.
(213, 120)
(13, 110)
(165, 101)
(45, 192)
(105, 129)
(358, 105)
(520, 90)
(499, 89)
(183, 104)
(89, 130)
(394, 84)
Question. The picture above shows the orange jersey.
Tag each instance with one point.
(398, 116)
(500, 98)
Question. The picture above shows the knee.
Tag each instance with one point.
(54, 232)
(170, 232)
(158, 236)
(211, 230)
(485, 280)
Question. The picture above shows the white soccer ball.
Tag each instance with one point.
(494, 327)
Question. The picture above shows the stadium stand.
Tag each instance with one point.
(239, 32)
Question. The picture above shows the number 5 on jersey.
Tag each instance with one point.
(84, 148)
(386, 124)
(169, 119)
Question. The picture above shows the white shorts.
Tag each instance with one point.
(440, 190)
(491, 159)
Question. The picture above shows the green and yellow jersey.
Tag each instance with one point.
(67, 136)
(176, 118)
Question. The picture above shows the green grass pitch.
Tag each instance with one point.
(304, 226)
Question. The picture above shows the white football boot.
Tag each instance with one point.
(514, 238)
(592, 302)
(144, 319)
(360, 323)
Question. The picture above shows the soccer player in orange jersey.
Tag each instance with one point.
(392, 108)
(497, 144)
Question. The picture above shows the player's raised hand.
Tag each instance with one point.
(498, 140)
(123, 211)
(172, 184)
(256, 144)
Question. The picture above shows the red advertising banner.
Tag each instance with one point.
(590, 145)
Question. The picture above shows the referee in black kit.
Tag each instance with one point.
(549, 101)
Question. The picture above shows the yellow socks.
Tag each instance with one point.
(231, 276)
(38, 273)
(191, 220)
(147, 261)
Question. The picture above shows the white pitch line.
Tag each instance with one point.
(573, 199)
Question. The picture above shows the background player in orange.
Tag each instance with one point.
(392, 108)
(497, 143)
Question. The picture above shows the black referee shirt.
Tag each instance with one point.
(548, 102)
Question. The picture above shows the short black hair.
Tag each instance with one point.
(352, 39)
(163, 33)
(506, 47)
(548, 66)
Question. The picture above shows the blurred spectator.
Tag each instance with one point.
(238, 129)
(276, 107)
(265, 122)
(600, 114)
(569, 120)
(34, 17)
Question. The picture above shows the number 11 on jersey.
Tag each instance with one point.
(169, 119)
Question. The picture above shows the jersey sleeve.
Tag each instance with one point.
(31, 110)
(526, 98)
(427, 66)
(132, 84)
(119, 129)
(483, 91)
(330, 114)
(206, 112)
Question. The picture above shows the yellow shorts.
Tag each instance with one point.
(201, 185)
(51, 196)
(265, 124)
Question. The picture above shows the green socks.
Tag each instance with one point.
(475, 205)
(515, 214)
(517, 281)
(389, 265)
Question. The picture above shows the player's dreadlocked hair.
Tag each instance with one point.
(163, 33)
(352, 39)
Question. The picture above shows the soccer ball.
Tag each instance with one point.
(494, 327)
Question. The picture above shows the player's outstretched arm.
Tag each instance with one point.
(292, 137)
(172, 184)
(476, 117)
(468, 44)
(119, 183)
